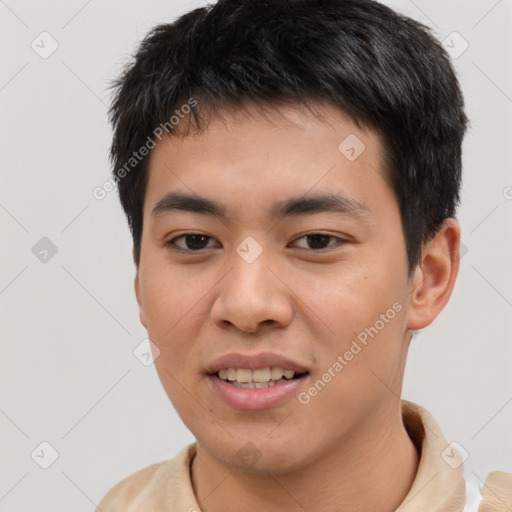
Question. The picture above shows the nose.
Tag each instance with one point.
(252, 296)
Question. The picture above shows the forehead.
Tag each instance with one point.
(263, 154)
(286, 120)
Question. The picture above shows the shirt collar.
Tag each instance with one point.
(439, 484)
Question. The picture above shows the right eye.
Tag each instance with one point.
(191, 242)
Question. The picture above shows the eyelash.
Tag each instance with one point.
(172, 245)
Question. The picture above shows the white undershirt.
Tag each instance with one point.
(473, 496)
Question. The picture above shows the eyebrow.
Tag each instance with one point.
(302, 205)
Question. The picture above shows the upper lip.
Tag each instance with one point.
(253, 362)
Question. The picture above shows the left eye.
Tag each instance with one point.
(319, 239)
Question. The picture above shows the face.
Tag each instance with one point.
(282, 269)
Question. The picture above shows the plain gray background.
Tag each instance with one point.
(69, 325)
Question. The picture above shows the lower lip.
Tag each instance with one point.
(247, 399)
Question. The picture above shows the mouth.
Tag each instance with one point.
(250, 382)
(252, 390)
(258, 378)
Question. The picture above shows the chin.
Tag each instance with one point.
(259, 455)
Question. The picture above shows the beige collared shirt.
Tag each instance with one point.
(439, 485)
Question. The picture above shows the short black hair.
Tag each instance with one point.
(386, 71)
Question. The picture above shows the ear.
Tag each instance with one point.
(434, 277)
(136, 283)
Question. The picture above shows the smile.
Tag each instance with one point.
(257, 379)
(252, 395)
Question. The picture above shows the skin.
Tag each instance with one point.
(347, 449)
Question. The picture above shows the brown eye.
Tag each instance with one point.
(319, 241)
(191, 242)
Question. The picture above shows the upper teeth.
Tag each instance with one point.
(259, 375)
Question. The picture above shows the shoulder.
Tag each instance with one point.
(166, 480)
(496, 492)
(127, 490)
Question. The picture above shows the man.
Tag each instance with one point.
(290, 171)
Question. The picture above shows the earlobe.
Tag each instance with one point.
(434, 277)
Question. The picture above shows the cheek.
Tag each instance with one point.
(181, 391)
(357, 375)
(167, 295)
(365, 314)
(343, 299)
(175, 307)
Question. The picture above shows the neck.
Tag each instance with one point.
(363, 472)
